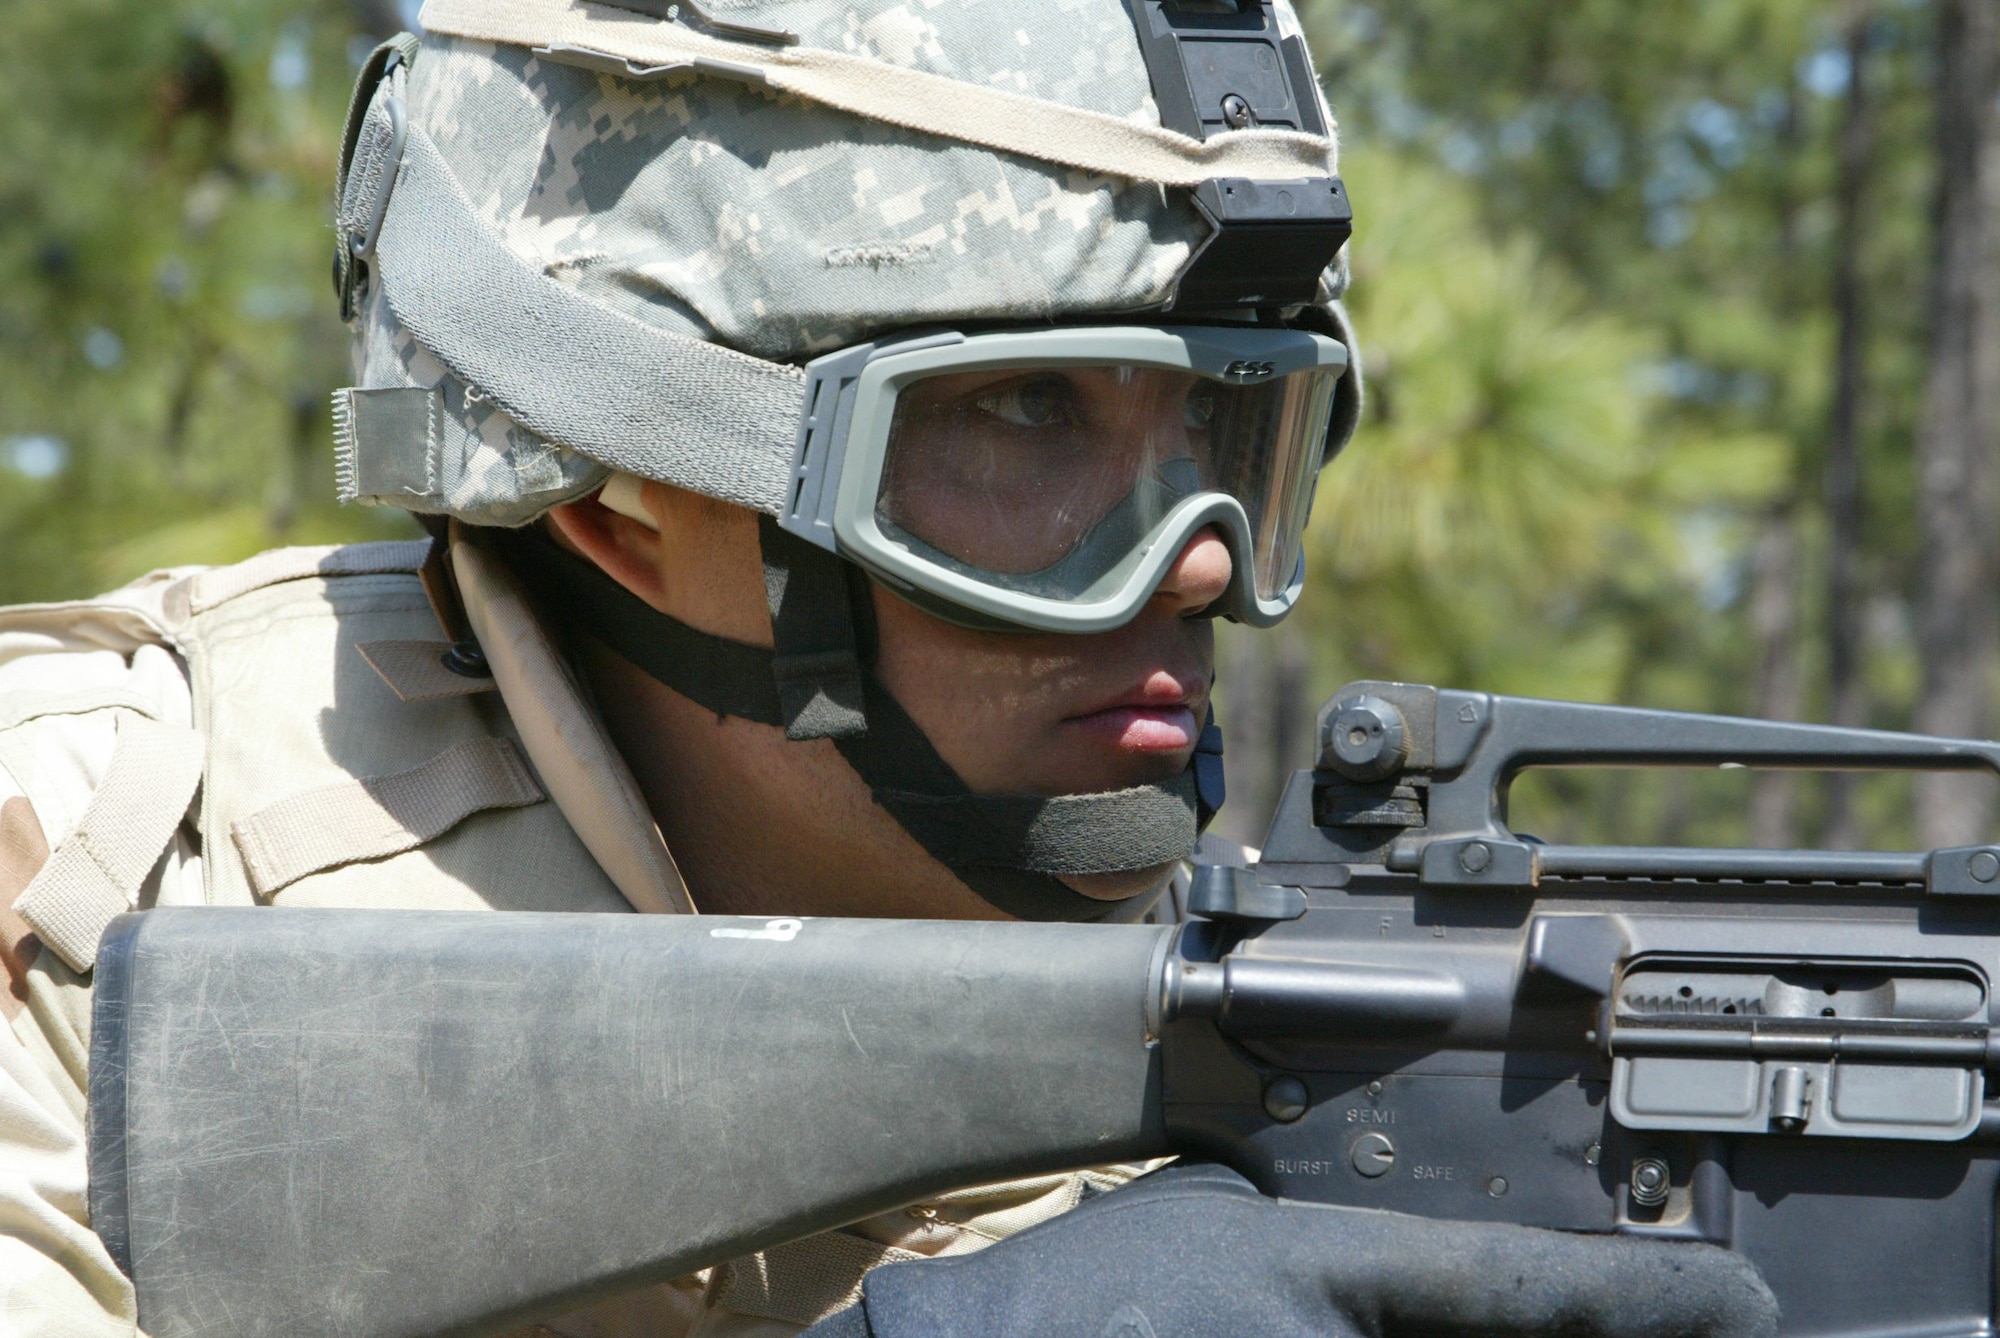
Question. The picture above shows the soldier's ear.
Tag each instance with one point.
(625, 549)
(691, 557)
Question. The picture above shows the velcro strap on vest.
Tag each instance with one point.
(382, 816)
(416, 671)
(627, 394)
(95, 874)
(216, 586)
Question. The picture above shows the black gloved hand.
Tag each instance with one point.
(1196, 1252)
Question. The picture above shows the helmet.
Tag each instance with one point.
(996, 304)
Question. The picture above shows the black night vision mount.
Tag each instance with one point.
(1221, 65)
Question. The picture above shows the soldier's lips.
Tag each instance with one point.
(1151, 730)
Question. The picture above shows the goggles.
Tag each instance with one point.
(1046, 480)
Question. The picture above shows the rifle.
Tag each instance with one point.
(400, 1123)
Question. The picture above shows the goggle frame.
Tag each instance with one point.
(843, 443)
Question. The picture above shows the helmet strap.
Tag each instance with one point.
(1012, 850)
(816, 658)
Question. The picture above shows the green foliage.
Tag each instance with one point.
(1593, 269)
(167, 341)
(1471, 533)
(1592, 278)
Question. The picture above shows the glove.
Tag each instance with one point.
(1196, 1252)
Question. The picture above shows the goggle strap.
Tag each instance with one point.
(727, 677)
(1007, 848)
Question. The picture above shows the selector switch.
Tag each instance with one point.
(1373, 1155)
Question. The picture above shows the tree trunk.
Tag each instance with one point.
(1846, 596)
(1267, 723)
(1774, 616)
(1292, 716)
(1955, 595)
(1775, 585)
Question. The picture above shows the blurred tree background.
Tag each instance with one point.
(1683, 338)
(1681, 321)
(167, 335)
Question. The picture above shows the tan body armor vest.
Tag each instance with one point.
(288, 732)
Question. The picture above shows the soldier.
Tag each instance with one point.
(836, 426)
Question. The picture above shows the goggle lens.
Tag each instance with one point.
(1046, 479)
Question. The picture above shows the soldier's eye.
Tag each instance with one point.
(1199, 409)
(1042, 402)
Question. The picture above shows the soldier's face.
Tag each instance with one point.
(1018, 713)
(1054, 713)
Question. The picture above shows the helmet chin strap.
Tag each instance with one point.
(1012, 850)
